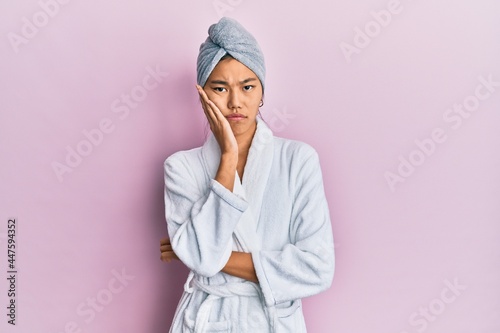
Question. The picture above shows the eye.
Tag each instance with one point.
(248, 88)
(219, 89)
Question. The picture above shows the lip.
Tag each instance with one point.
(235, 116)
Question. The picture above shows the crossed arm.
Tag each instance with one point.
(240, 264)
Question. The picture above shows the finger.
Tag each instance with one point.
(206, 108)
(217, 112)
(203, 97)
(202, 93)
(168, 256)
(165, 248)
(164, 241)
(208, 113)
(211, 105)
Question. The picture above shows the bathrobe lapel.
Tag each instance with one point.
(255, 176)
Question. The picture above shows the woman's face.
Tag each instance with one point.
(237, 92)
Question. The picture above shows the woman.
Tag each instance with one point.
(246, 212)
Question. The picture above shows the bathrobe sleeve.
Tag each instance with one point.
(200, 218)
(304, 267)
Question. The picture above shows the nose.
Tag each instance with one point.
(234, 101)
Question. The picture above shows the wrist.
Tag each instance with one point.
(229, 158)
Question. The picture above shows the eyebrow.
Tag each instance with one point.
(225, 83)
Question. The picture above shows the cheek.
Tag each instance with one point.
(214, 97)
(219, 101)
(254, 102)
(258, 98)
(253, 98)
(209, 93)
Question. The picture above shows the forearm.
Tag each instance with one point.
(240, 264)
(227, 169)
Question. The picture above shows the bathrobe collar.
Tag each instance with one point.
(255, 176)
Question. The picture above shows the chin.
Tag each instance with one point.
(242, 126)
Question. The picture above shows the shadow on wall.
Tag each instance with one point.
(170, 288)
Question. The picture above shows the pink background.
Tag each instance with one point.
(398, 250)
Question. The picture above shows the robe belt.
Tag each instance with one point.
(216, 292)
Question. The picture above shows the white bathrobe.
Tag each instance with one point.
(278, 213)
